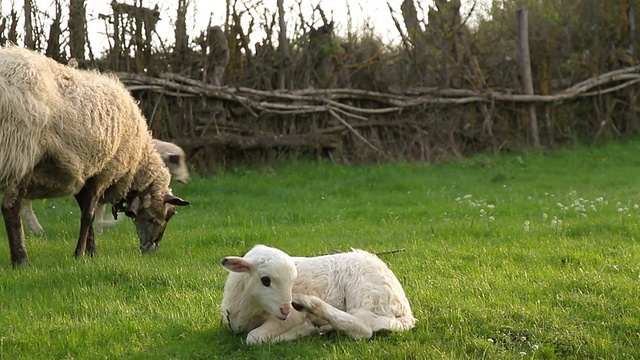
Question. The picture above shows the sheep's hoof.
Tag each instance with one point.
(19, 262)
(298, 306)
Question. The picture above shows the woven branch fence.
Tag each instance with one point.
(218, 125)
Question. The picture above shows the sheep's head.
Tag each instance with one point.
(271, 274)
(177, 167)
(150, 215)
(174, 158)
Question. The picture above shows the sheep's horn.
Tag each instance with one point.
(132, 210)
(174, 200)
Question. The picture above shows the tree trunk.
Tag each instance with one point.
(28, 26)
(53, 42)
(283, 46)
(632, 30)
(117, 44)
(410, 16)
(77, 28)
(182, 40)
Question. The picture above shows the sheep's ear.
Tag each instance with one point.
(236, 264)
(132, 210)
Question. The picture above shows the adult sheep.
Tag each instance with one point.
(275, 297)
(65, 131)
(175, 160)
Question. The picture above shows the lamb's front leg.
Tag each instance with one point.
(356, 324)
(274, 330)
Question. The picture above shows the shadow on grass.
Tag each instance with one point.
(219, 342)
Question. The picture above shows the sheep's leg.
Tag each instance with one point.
(275, 330)
(356, 324)
(30, 217)
(13, 223)
(99, 218)
(87, 199)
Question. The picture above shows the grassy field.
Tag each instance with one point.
(519, 256)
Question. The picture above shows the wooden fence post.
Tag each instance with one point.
(524, 59)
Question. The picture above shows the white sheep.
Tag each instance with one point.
(175, 160)
(65, 131)
(275, 297)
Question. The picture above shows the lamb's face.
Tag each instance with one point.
(272, 285)
(270, 281)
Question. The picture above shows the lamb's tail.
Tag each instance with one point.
(24, 113)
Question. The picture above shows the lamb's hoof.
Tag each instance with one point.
(326, 331)
(298, 306)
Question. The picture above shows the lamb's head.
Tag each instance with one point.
(151, 213)
(269, 280)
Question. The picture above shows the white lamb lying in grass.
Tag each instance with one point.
(276, 297)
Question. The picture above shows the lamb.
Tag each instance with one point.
(65, 131)
(275, 297)
(174, 158)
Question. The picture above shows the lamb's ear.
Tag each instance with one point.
(236, 264)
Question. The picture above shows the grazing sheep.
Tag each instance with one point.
(174, 158)
(65, 131)
(275, 297)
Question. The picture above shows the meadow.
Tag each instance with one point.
(532, 255)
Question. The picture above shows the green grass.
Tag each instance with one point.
(518, 256)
